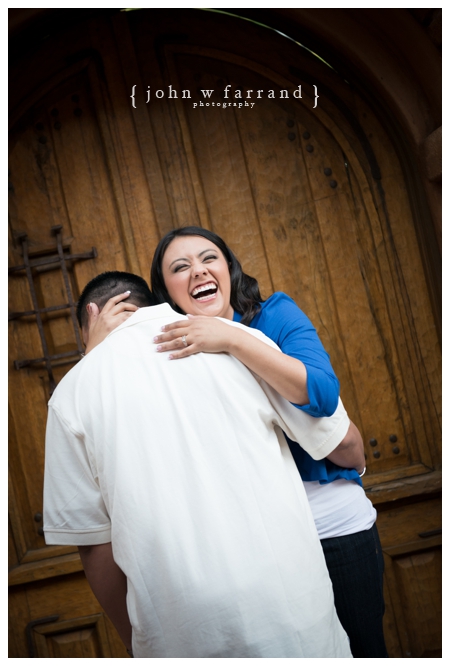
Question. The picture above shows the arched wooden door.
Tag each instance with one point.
(310, 194)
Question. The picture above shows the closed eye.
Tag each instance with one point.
(180, 267)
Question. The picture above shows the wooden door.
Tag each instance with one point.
(309, 192)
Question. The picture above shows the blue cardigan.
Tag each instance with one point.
(284, 323)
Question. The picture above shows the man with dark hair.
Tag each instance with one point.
(112, 283)
(178, 487)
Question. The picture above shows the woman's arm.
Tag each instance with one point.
(206, 334)
(302, 373)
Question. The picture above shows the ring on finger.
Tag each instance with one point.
(184, 341)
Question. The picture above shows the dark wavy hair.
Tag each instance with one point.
(245, 297)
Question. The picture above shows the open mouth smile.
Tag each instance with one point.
(204, 291)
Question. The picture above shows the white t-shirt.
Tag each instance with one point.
(177, 463)
(339, 508)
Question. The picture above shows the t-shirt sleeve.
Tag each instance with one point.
(317, 436)
(74, 510)
(284, 323)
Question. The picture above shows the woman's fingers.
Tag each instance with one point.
(177, 338)
(175, 325)
(172, 332)
(119, 303)
(176, 343)
(200, 334)
(184, 352)
(100, 323)
(113, 307)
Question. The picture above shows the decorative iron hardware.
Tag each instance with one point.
(38, 519)
(351, 119)
(41, 264)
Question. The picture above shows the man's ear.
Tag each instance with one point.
(92, 311)
(85, 327)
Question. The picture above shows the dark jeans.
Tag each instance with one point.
(355, 564)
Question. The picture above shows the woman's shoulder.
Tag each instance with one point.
(280, 316)
(278, 299)
(281, 305)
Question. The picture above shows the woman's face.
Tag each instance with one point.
(197, 277)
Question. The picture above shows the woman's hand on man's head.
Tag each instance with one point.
(102, 322)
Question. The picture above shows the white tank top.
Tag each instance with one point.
(339, 508)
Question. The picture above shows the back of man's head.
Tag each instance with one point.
(106, 285)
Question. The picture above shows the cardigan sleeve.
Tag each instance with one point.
(283, 322)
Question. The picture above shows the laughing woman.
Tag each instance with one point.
(197, 274)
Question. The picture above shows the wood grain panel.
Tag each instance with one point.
(365, 344)
(223, 167)
(81, 629)
(412, 548)
(164, 120)
(82, 638)
(88, 189)
(282, 197)
(18, 618)
(416, 335)
(153, 216)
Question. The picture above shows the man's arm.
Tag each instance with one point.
(109, 584)
(350, 452)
